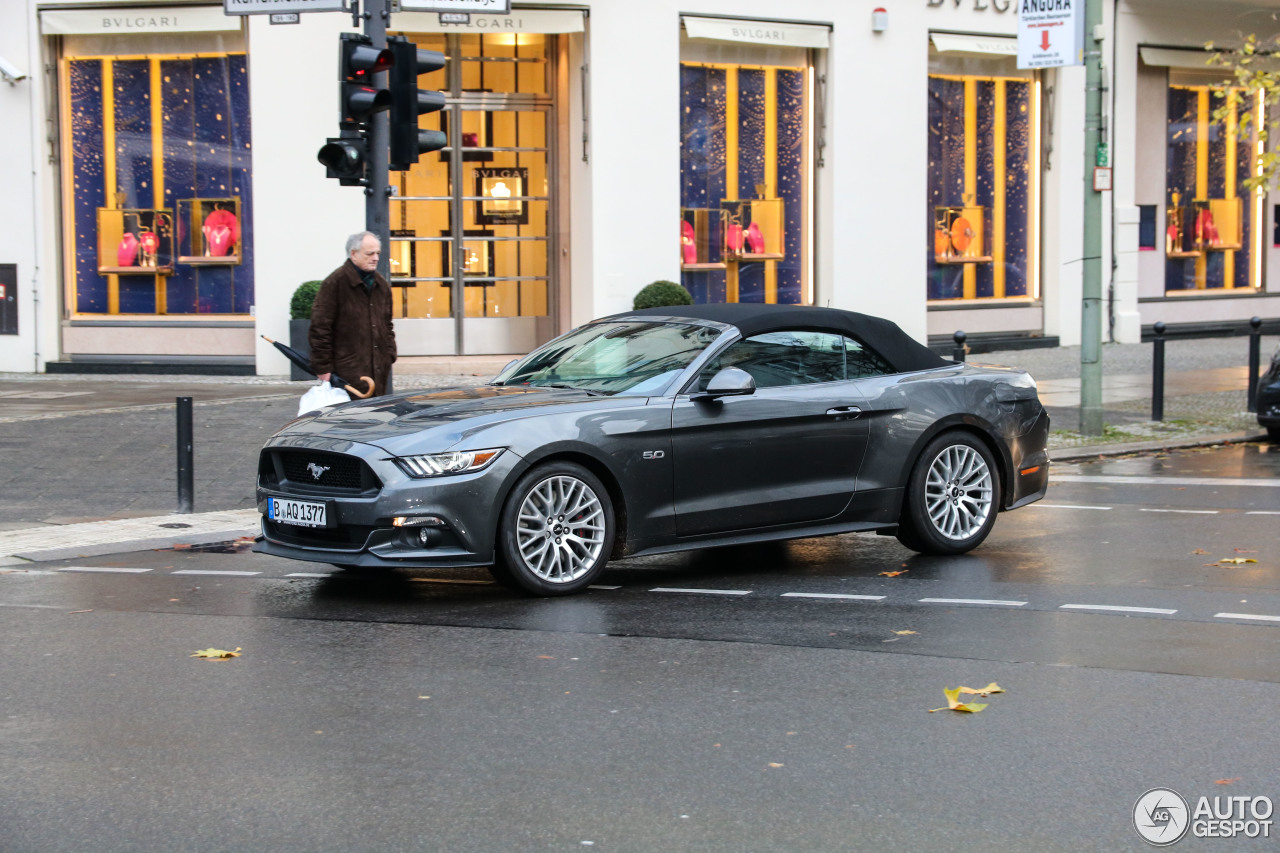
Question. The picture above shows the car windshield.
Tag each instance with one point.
(612, 358)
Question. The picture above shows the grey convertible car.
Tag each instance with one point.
(662, 430)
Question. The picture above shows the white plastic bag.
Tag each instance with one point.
(319, 396)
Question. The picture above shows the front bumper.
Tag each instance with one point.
(359, 530)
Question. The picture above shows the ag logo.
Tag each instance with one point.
(1161, 816)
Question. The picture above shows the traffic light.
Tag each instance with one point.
(408, 102)
(344, 157)
(358, 62)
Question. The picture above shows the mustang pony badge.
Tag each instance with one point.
(317, 471)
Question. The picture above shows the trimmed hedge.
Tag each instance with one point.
(662, 293)
(303, 298)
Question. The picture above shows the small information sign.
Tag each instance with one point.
(1050, 33)
(286, 18)
(482, 7)
(276, 7)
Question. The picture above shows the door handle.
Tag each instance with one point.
(844, 411)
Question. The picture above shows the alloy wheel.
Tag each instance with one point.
(560, 529)
(958, 492)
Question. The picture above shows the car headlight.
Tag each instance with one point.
(450, 462)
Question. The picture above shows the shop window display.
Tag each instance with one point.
(1208, 226)
(158, 162)
(743, 167)
(502, 106)
(982, 186)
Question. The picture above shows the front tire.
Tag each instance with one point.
(556, 531)
(952, 496)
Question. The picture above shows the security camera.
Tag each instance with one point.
(10, 72)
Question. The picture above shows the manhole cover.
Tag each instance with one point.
(175, 524)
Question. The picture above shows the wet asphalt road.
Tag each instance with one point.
(765, 698)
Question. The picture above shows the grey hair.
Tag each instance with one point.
(355, 240)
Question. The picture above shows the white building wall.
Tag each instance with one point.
(301, 218)
(26, 215)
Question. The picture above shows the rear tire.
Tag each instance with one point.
(556, 531)
(952, 496)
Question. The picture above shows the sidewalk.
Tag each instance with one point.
(90, 460)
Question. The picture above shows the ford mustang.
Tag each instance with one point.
(662, 430)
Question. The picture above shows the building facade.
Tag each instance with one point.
(165, 200)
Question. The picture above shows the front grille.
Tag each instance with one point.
(347, 538)
(315, 472)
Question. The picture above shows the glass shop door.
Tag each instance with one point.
(470, 250)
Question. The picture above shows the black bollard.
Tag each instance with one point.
(1255, 355)
(186, 456)
(1157, 375)
(957, 352)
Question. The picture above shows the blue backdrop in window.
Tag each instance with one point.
(206, 146)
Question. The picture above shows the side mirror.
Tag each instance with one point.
(730, 382)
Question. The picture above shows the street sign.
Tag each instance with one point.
(1050, 33)
(286, 18)
(274, 7)
(481, 7)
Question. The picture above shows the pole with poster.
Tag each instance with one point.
(1052, 35)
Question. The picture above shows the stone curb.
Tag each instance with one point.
(96, 538)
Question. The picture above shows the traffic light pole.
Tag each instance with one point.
(1091, 422)
(377, 193)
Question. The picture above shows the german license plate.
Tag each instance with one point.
(301, 513)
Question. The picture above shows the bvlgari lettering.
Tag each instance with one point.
(139, 23)
(978, 5)
(479, 23)
(759, 34)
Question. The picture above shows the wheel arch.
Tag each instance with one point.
(597, 467)
(980, 429)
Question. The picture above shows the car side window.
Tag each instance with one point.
(783, 358)
(861, 361)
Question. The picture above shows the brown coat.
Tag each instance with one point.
(351, 332)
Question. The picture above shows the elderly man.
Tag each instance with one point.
(351, 332)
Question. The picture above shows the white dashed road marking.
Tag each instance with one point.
(309, 575)
(1257, 616)
(702, 591)
(835, 595)
(1183, 511)
(992, 601)
(1164, 481)
(1116, 608)
(103, 570)
(215, 572)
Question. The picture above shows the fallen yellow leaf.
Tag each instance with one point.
(217, 654)
(1200, 551)
(982, 691)
(903, 633)
(1227, 781)
(954, 703)
(894, 574)
(774, 764)
(1237, 560)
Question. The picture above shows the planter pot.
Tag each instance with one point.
(298, 340)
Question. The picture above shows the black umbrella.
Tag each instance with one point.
(305, 363)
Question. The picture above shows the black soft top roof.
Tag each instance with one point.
(883, 336)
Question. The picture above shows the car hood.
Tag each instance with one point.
(397, 422)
